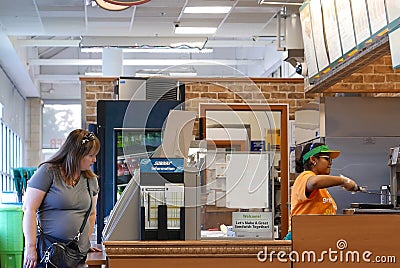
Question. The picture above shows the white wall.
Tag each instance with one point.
(14, 105)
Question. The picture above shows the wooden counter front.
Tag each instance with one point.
(333, 241)
(193, 254)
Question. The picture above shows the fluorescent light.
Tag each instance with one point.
(183, 74)
(264, 2)
(92, 49)
(208, 9)
(93, 74)
(195, 30)
(149, 74)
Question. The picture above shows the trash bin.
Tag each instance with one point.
(11, 236)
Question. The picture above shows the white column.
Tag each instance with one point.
(33, 133)
(112, 61)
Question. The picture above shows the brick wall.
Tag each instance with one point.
(271, 91)
(92, 90)
(378, 79)
(268, 91)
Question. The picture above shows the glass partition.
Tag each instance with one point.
(246, 145)
(236, 184)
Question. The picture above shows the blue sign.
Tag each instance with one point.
(161, 165)
(257, 146)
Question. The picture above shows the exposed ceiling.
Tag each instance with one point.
(41, 41)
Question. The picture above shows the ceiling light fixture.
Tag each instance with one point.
(195, 30)
(208, 9)
(183, 74)
(110, 7)
(140, 74)
(93, 74)
(265, 2)
(91, 49)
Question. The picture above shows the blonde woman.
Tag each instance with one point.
(57, 196)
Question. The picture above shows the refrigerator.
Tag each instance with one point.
(128, 130)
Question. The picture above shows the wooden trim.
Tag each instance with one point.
(96, 259)
(284, 170)
(198, 249)
(197, 263)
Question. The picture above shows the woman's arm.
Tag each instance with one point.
(92, 221)
(325, 181)
(92, 215)
(33, 199)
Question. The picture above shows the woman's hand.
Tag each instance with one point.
(30, 257)
(349, 185)
(94, 249)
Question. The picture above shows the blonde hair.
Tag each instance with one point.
(78, 144)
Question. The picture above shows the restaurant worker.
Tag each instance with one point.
(57, 196)
(309, 194)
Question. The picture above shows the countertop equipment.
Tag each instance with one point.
(394, 164)
(391, 204)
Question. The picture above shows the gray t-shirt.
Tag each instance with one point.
(63, 208)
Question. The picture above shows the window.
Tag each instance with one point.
(58, 121)
(11, 156)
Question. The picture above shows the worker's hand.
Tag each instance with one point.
(349, 185)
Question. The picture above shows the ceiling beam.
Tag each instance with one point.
(60, 78)
(257, 41)
(47, 43)
(15, 68)
(141, 62)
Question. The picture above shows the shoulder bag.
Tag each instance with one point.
(54, 252)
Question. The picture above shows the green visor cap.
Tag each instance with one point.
(320, 149)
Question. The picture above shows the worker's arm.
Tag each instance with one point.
(325, 181)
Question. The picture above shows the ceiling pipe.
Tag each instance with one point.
(279, 15)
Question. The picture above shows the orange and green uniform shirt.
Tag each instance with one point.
(319, 201)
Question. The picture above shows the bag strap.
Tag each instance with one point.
(86, 215)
